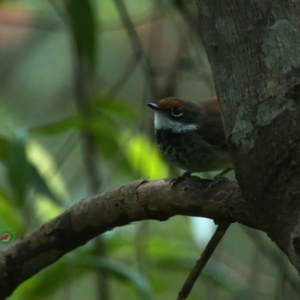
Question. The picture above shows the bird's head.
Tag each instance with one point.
(176, 115)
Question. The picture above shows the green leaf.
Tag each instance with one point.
(101, 128)
(83, 25)
(4, 144)
(18, 166)
(69, 123)
(22, 174)
(10, 218)
(122, 272)
(46, 284)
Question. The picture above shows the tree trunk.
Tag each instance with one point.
(254, 50)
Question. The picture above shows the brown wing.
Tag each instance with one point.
(212, 130)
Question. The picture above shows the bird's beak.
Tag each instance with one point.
(154, 106)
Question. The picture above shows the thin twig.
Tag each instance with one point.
(137, 47)
(128, 70)
(202, 261)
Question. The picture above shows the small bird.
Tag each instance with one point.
(191, 136)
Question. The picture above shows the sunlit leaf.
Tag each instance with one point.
(143, 156)
(50, 186)
(21, 172)
(41, 186)
(46, 208)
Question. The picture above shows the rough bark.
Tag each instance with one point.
(139, 200)
(254, 50)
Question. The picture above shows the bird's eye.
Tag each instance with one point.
(177, 112)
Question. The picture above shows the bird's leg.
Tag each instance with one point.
(180, 178)
(219, 178)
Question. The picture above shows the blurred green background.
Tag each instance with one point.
(75, 78)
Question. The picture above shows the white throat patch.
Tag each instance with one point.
(163, 122)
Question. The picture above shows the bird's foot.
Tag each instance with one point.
(218, 178)
(180, 178)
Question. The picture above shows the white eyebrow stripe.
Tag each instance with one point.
(162, 122)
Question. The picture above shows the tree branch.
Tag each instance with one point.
(136, 201)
